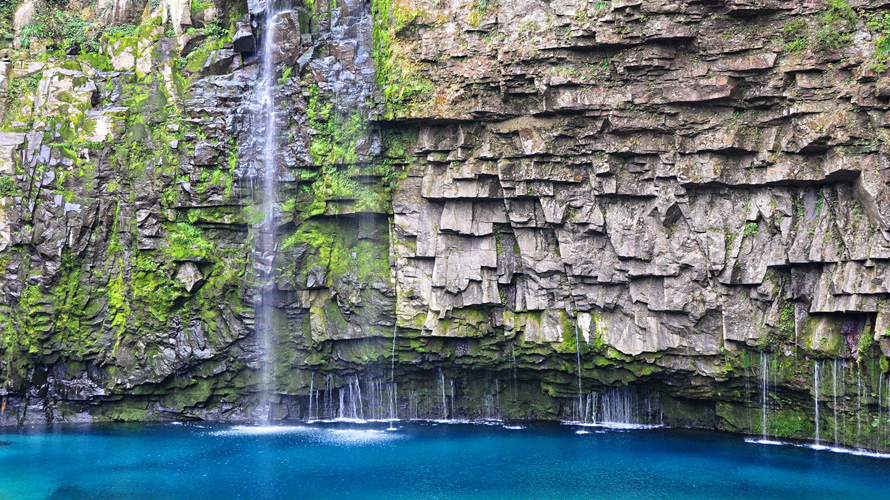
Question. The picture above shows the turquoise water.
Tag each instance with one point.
(328, 461)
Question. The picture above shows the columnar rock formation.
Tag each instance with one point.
(666, 189)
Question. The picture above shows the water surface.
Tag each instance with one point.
(326, 461)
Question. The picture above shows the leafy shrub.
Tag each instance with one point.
(8, 187)
(835, 26)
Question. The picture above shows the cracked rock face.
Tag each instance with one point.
(686, 197)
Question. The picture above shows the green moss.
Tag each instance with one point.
(8, 187)
(405, 87)
(339, 250)
(33, 321)
(187, 242)
(835, 26)
(118, 304)
(155, 294)
(336, 134)
(72, 309)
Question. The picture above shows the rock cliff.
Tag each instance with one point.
(526, 209)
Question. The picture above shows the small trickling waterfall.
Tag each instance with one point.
(858, 408)
(393, 388)
(764, 388)
(834, 397)
(816, 397)
(311, 384)
(452, 398)
(619, 407)
(578, 354)
(444, 401)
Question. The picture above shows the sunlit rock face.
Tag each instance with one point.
(474, 198)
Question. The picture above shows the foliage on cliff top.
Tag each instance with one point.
(7, 12)
(404, 85)
(831, 30)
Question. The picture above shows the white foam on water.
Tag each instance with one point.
(624, 426)
(514, 427)
(582, 431)
(343, 420)
(821, 447)
(767, 442)
(846, 451)
(620, 426)
(358, 436)
(260, 430)
(447, 421)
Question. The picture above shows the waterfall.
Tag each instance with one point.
(834, 398)
(329, 389)
(513, 359)
(497, 399)
(578, 354)
(816, 397)
(265, 238)
(764, 387)
(880, 391)
(452, 398)
(393, 410)
(620, 407)
(361, 408)
(444, 401)
(311, 381)
(888, 399)
(858, 408)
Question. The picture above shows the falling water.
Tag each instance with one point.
(513, 356)
(578, 354)
(393, 411)
(361, 408)
(816, 396)
(311, 381)
(620, 406)
(764, 375)
(452, 398)
(880, 391)
(834, 399)
(444, 401)
(265, 237)
(888, 399)
(497, 398)
(858, 407)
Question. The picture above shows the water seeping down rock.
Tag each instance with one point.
(690, 197)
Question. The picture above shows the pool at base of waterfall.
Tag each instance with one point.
(418, 460)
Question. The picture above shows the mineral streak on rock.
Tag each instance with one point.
(678, 186)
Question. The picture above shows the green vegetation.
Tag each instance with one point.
(795, 35)
(787, 322)
(831, 30)
(479, 9)
(879, 23)
(336, 134)
(8, 187)
(835, 26)
(339, 250)
(7, 12)
(187, 242)
(405, 87)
